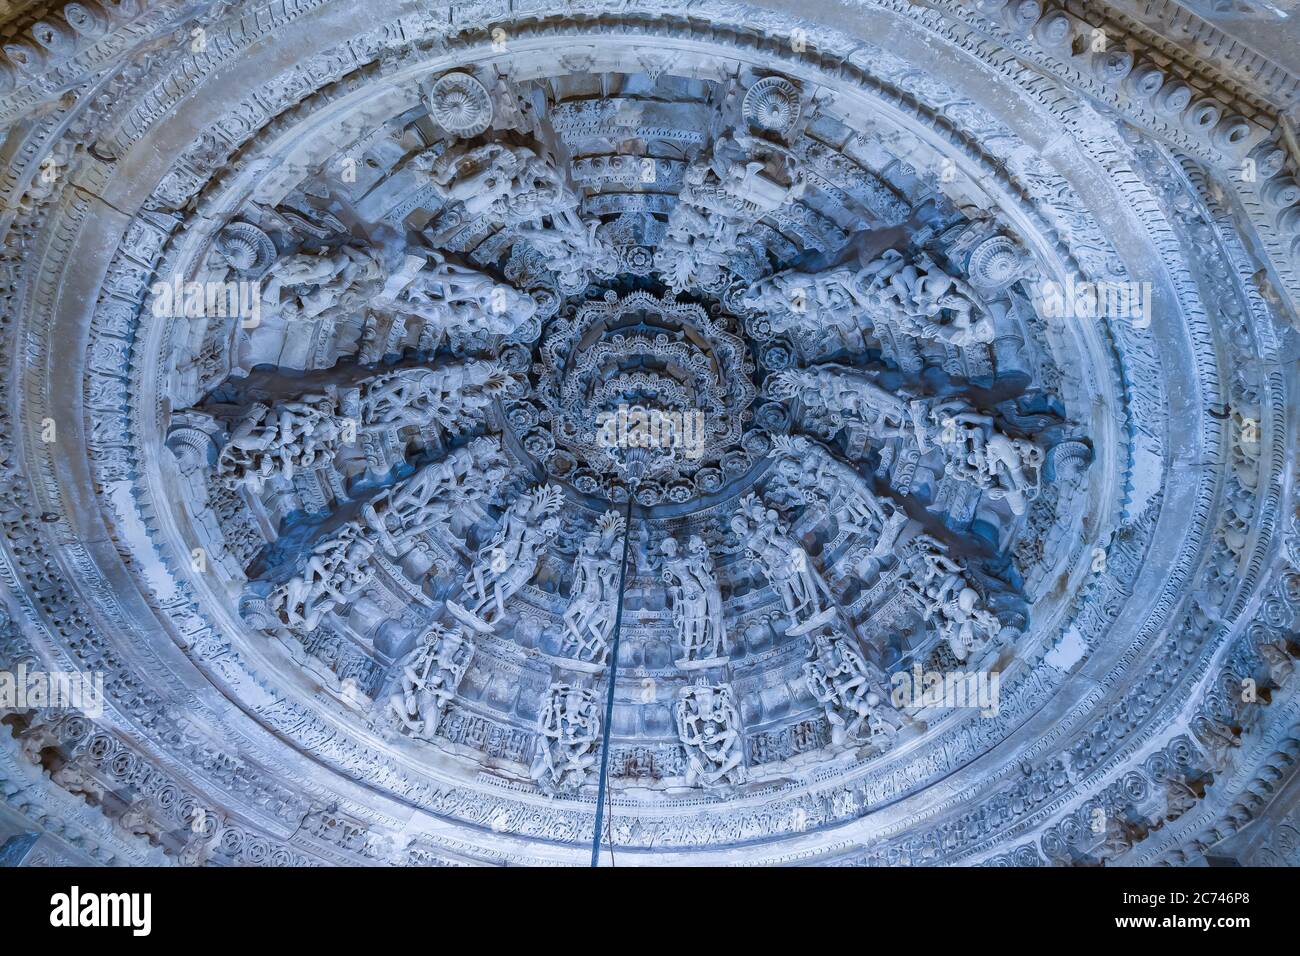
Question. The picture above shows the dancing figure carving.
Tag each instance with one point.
(979, 452)
(709, 728)
(837, 396)
(792, 300)
(510, 183)
(427, 501)
(727, 190)
(593, 596)
(785, 564)
(335, 571)
(921, 299)
(810, 472)
(509, 560)
(326, 284)
(945, 595)
(913, 295)
(279, 442)
(431, 674)
(572, 250)
(449, 299)
(452, 398)
(851, 692)
(568, 731)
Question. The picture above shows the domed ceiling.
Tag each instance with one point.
(852, 435)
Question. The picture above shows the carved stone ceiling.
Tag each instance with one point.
(943, 358)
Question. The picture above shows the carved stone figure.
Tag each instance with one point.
(810, 472)
(327, 283)
(727, 189)
(756, 171)
(593, 596)
(512, 183)
(913, 296)
(791, 299)
(452, 397)
(431, 674)
(572, 249)
(509, 560)
(851, 691)
(1276, 661)
(568, 731)
(919, 298)
(837, 395)
(428, 499)
(979, 452)
(449, 299)
(278, 442)
(976, 449)
(945, 595)
(333, 573)
(696, 600)
(708, 726)
(803, 592)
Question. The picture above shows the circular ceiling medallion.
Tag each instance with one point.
(772, 104)
(403, 406)
(460, 104)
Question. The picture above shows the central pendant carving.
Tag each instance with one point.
(642, 370)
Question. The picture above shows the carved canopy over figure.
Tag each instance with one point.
(327, 283)
(281, 441)
(696, 599)
(709, 727)
(568, 731)
(944, 593)
(333, 574)
(851, 691)
(593, 595)
(509, 560)
(785, 563)
(452, 398)
(427, 500)
(431, 674)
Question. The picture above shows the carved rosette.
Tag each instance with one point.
(460, 104)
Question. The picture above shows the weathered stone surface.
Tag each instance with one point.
(937, 372)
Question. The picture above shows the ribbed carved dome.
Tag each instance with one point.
(944, 409)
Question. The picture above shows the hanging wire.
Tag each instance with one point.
(609, 696)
